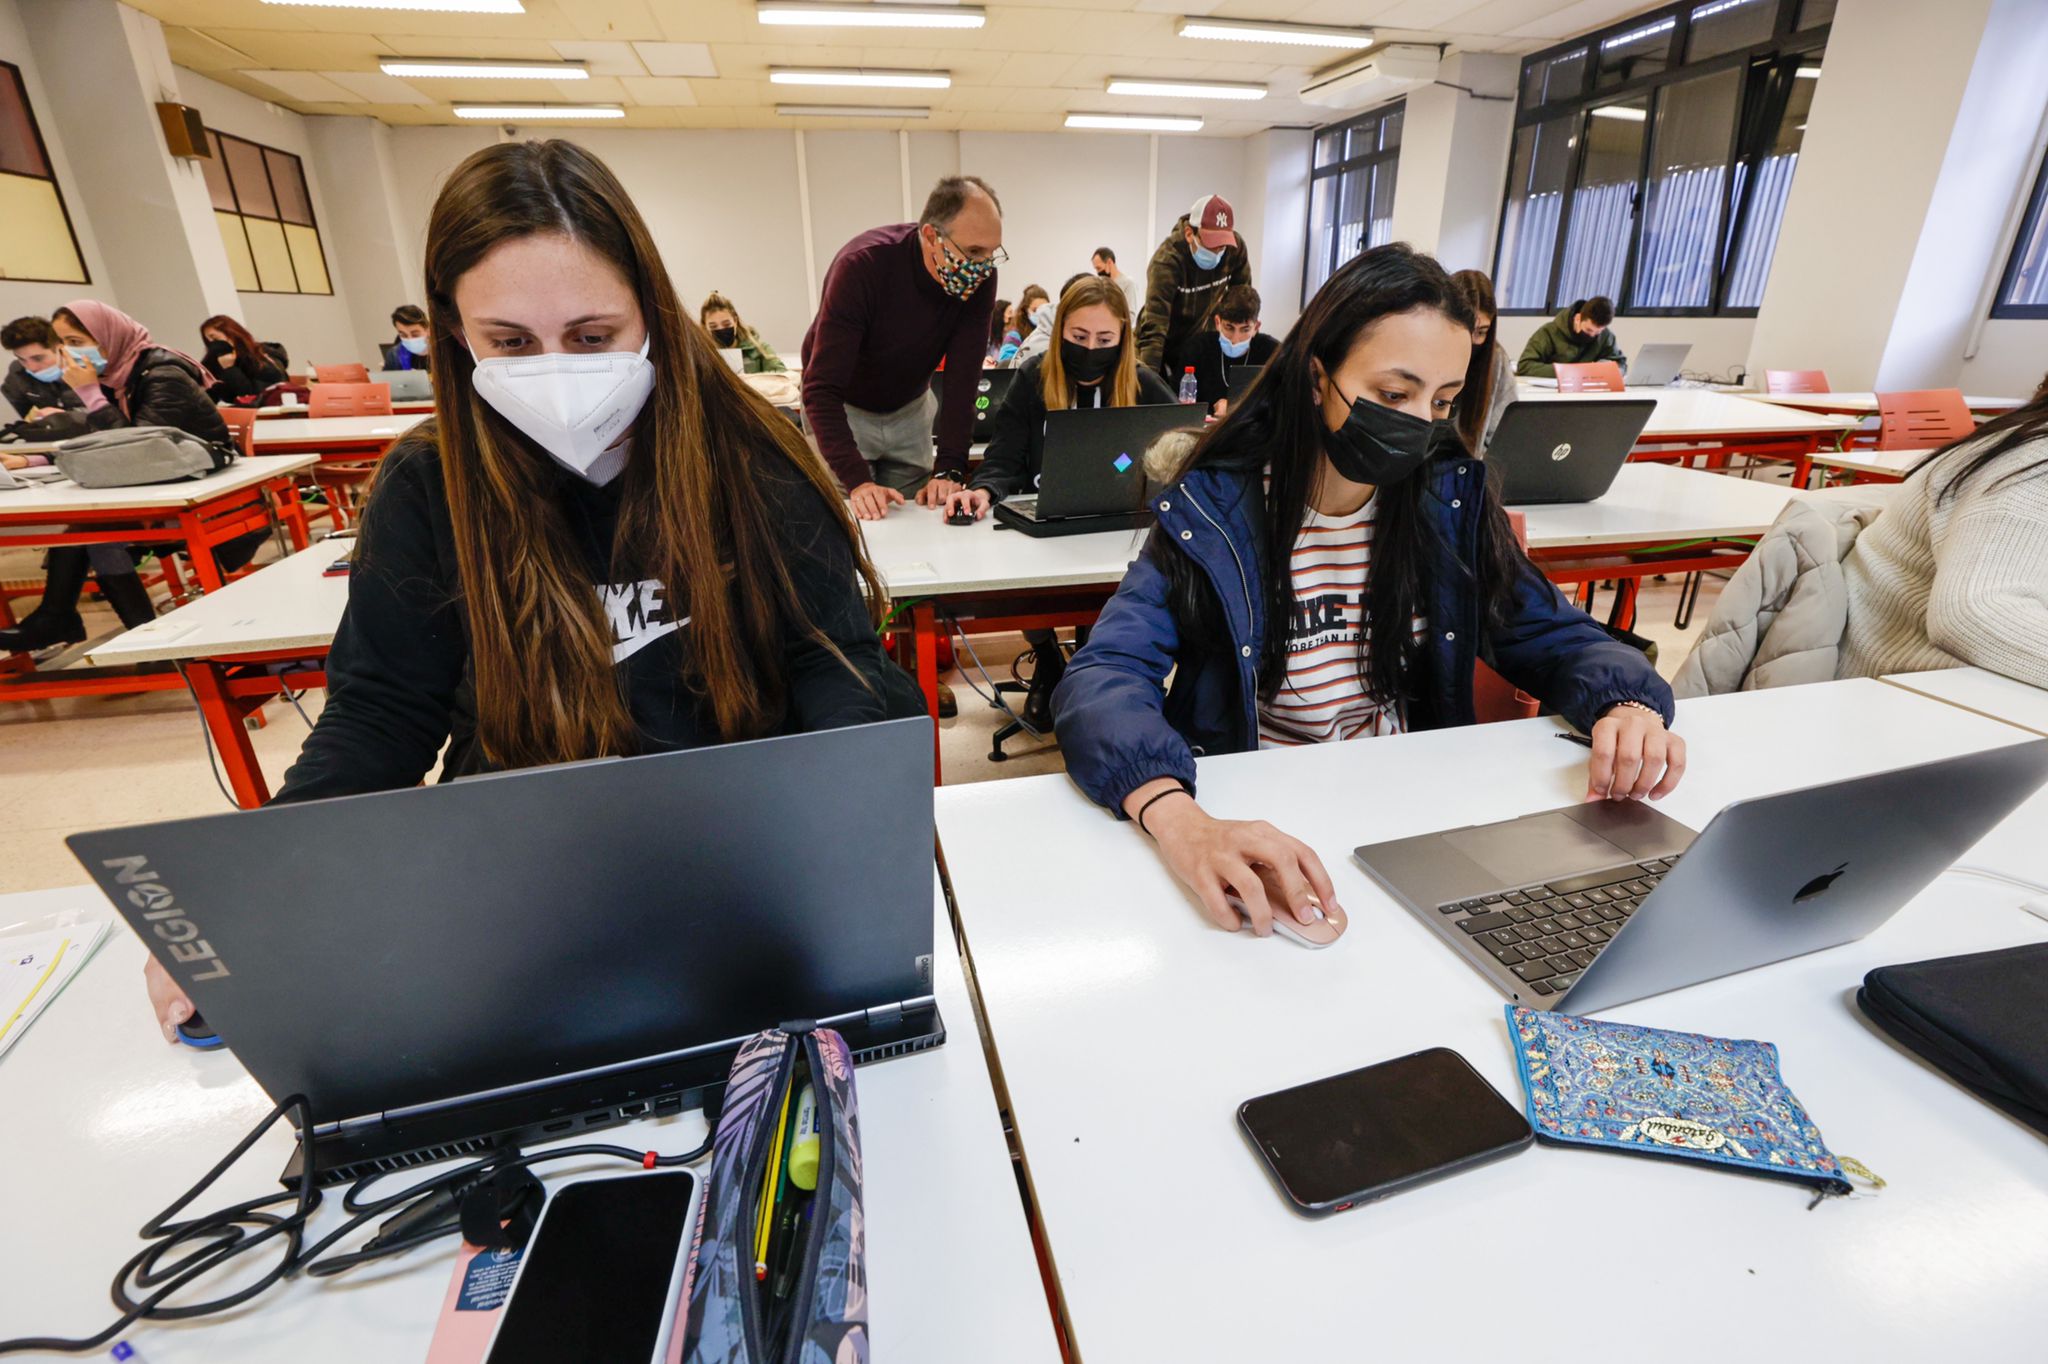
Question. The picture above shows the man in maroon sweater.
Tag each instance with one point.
(898, 300)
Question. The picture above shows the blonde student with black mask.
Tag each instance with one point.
(603, 543)
(1328, 564)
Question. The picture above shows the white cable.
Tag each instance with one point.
(1990, 874)
(996, 699)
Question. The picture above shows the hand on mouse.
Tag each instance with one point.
(1634, 756)
(972, 502)
(1269, 871)
(172, 1005)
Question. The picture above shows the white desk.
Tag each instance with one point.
(290, 604)
(57, 499)
(122, 1123)
(1987, 693)
(1129, 1031)
(353, 436)
(1883, 465)
(1865, 404)
(1659, 502)
(919, 555)
(1703, 414)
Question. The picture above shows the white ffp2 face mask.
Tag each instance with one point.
(578, 408)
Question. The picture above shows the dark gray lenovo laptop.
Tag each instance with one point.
(1591, 906)
(1092, 477)
(1563, 449)
(514, 957)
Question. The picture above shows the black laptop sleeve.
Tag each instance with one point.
(1981, 1019)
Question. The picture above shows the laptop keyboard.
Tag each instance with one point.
(1548, 934)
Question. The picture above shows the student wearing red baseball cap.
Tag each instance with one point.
(1202, 258)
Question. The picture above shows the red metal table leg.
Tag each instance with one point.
(292, 512)
(230, 738)
(204, 567)
(925, 622)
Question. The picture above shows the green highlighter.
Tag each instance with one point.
(803, 1141)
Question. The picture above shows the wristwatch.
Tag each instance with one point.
(950, 475)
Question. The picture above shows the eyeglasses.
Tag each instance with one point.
(996, 257)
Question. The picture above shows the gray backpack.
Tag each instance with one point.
(133, 455)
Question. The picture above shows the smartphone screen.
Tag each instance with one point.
(600, 1274)
(1356, 1136)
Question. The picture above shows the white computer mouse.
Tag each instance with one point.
(1321, 933)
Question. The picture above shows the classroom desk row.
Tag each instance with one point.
(1114, 1034)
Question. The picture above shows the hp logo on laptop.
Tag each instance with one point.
(1562, 452)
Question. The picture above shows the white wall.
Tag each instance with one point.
(315, 328)
(367, 242)
(21, 298)
(1273, 215)
(2011, 359)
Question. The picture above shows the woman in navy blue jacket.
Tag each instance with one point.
(1337, 501)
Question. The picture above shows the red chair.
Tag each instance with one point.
(1494, 698)
(1796, 381)
(242, 426)
(1922, 419)
(341, 374)
(1602, 376)
(349, 400)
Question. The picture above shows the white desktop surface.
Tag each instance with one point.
(107, 1123)
(1866, 403)
(1129, 1031)
(1987, 693)
(1659, 502)
(919, 555)
(1895, 463)
(57, 496)
(299, 430)
(290, 604)
(1706, 412)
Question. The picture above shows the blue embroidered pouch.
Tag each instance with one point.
(1594, 1083)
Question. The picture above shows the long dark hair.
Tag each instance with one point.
(690, 514)
(1475, 399)
(247, 354)
(1991, 441)
(1278, 428)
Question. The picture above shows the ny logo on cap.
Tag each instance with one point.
(1223, 220)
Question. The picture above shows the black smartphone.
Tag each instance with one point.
(600, 1277)
(1332, 1144)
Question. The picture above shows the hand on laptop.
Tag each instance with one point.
(1634, 757)
(1269, 871)
(171, 1003)
(971, 501)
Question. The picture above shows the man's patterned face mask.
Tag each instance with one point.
(960, 276)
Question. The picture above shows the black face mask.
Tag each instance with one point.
(726, 337)
(1377, 444)
(1087, 364)
(216, 349)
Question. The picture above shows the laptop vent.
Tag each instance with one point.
(426, 1155)
(892, 1049)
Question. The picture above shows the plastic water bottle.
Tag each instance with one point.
(1189, 389)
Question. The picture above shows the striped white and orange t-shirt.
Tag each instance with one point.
(1324, 695)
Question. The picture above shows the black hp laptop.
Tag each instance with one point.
(991, 386)
(1593, 905)
(1092, 477)
(1563, 449)
(1238, 379)
(512, 958)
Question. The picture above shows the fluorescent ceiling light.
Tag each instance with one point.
(870, 78)
(1251, 31)
(1638, 35)
(430, 6)
(526, 113)
(458, 68)
(1622, 112)
(1123, 85)
(1137, 123)
(869, 15)
(851, 111)
(1808, 73)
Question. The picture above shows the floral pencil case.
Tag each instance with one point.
(1621, 1087)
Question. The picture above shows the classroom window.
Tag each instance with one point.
(265, 216)
(1351, 191)
(2024, 290)
(36, 240)
(1652, 161)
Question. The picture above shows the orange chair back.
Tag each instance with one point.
(349, 400)
(1922, 419)
(1796, 381)
(341, 374)
(242, 426)
(1602, 376)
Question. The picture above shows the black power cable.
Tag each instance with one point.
(179, 1253)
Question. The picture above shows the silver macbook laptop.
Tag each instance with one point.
(1598, 904)
(1657, 364)
(407, 385)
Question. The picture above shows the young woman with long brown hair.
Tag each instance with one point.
(240, 368)
(603, 543)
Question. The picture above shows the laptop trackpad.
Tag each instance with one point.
(1545, 847)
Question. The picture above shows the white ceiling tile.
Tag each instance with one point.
(307, 86)
(677, 59)
(659, 90)
(376, 87)
(602, 59)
